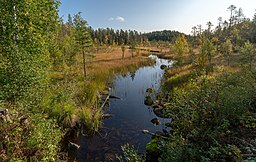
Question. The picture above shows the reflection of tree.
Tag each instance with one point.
(132, 74)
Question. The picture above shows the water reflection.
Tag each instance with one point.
(130, 115)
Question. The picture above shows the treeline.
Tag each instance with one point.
(110, 37)
(234, 35)
(165, 35)
(238, 29)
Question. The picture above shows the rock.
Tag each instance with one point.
(148, 101)
(145, 131)
(160, 112)
(163, 67)
(107, 116)
(155, 121)
(149, 90)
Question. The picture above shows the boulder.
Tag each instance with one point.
(148, 101)
(155, 121)
(160, 112)
(149, 90)
(163, 67)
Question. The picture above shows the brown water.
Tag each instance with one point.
(130, 116)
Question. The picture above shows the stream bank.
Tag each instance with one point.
(129, 115)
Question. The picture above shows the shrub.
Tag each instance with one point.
(129, 154)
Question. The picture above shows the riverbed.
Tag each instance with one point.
(129, 115)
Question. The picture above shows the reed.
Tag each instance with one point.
(73, 100)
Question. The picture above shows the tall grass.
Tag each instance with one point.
(90, 119)
(74, 101)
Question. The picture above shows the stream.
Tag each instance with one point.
(130, 115)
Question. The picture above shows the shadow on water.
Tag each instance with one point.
(130, 116)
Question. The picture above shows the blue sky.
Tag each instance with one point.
(152, 15)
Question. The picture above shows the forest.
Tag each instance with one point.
(54, 76)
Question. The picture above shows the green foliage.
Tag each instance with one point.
(226, 49)
(152, 146)
(181, 45)
(29, 137)
(82, 34)
(129, 154)
(44, 137)
(248, 50)
(59, 103)
(248, 120)
(24, 46)
(206, 114)
(67, 44)
(207, 51)
(90, 119)
(26, 41)
(83, 38)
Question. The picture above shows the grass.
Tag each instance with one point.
(210, 109)
(181, 73)
(74, 101)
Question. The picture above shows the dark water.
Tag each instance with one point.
(130, 116)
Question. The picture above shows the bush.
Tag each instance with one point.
(129, 154)
(208, 114)
(28, 137)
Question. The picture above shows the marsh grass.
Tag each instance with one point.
(90, 119)
(74, 101)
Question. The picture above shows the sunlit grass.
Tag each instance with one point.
(73, 99)
(90, 118)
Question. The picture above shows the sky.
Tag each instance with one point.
(153, 15)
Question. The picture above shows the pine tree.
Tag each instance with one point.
(181, 45)
(83, 37)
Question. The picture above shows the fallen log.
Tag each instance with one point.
(114, 97)
(104, 103)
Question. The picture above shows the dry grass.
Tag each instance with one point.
(111, 61)
(115, 54)
(179, 75)
(81, 100)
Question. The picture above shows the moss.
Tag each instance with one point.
(152, 146)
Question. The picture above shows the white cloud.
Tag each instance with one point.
(118, 19)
